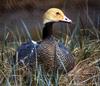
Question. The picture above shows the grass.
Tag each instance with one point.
(85, 49)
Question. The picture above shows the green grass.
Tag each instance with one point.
(82, 46)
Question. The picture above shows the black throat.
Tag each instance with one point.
(47, 30)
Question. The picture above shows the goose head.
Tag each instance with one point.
(55, 15)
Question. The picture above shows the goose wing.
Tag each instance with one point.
(66, 57)
(26, 53)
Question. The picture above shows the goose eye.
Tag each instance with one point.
(57, 13)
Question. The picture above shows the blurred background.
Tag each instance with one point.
(15, 13)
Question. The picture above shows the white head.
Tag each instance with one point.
(55, 15)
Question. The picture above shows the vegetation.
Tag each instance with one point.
(84, 44)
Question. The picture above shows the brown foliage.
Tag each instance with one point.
(15, 4)
(90, 2)
(85, 72)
